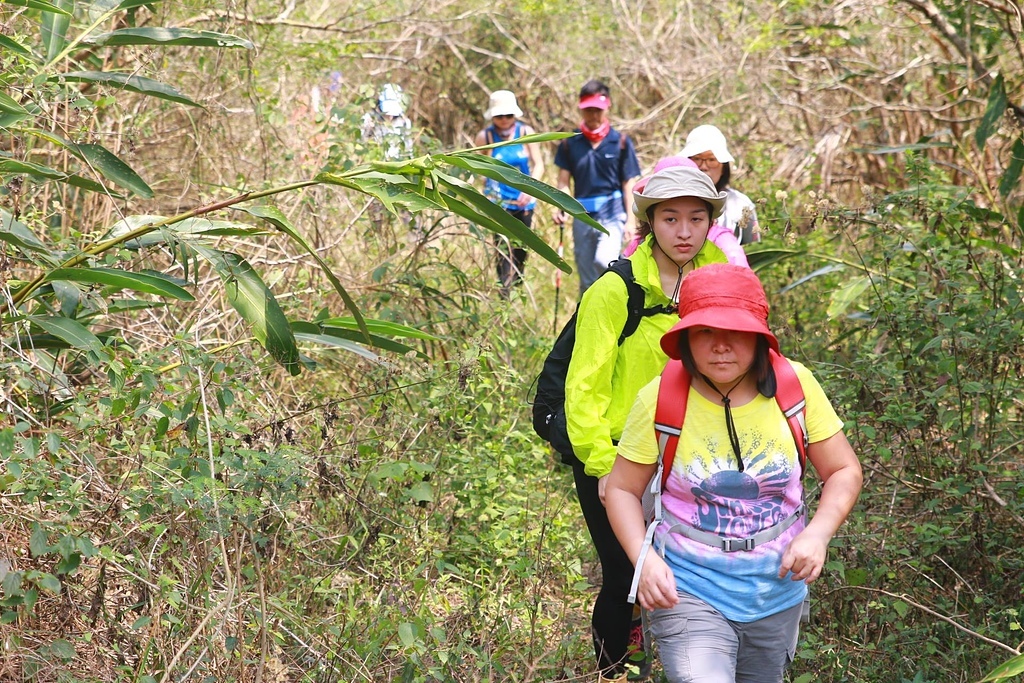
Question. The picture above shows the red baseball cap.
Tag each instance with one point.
(722, 296)
(595, 100)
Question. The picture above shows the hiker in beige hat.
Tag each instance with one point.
(504, 112)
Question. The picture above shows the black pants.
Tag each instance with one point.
(511, 259)
(613, 614)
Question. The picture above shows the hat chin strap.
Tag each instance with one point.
(679, 276)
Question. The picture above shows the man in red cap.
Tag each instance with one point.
(603, 167)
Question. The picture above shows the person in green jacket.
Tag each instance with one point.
(676, 208)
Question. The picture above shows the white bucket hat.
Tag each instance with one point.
(678, 181)
(707, 139)
(503, 102)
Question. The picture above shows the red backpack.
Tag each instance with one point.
(673, 394)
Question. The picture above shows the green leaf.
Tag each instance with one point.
(38, 543)
(476, 207)
(138, 84)
(29, 168)
(336, 342)
(1008, 669)
(70, 331)
(496, 169)
(41, 5)
(10, 106)
(254, 301)
(158, 35)
(344, 338)
(50, 583)
(379, 327)
(845, 296)
(113, 169)
(407, 634)
(54, 27)
(1013, 171)
(993, 112)
(422, 492)
(762, 258)
(275, 217)
(18, 234)
(14, 46)
(120, 279)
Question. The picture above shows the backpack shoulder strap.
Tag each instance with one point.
(634, 297)
(789, 394)
(673, 393)
(489, 131)
(635, 308)
(622, 141)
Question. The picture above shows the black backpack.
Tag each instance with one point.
(549, 403)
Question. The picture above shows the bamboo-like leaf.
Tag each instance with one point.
(70, 331)
(54, 27)
(394, 190)
(498, 170)
(250, 296)
(496, 219)
(113, 169)
(157, 35)
(526, 140)
(18, 234)
(994, 111)
(120, 279)
(1013, 170)
(41, 5)
(845, 296)
(275, 217)
(101, 159)
(1008, 669)
(762, 258)
(833, 268)
(29, 168)
(138, 84)
(133, 4)
(337, 342)
(379, 327)
(14, 46)
(9, 106)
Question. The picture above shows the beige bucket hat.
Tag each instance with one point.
(677, 181)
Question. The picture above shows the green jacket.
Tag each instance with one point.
(604, 378)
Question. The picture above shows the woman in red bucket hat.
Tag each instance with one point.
(733, 549)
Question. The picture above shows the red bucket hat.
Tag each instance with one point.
(723, 296)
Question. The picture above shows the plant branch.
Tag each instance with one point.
(952, 622)
(949, 32)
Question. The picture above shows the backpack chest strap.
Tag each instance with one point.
(732, 545)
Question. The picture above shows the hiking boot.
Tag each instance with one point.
(637, 654)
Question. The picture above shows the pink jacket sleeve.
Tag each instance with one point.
(723, 238)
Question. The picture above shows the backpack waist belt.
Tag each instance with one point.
(732, 545)
(595, 204)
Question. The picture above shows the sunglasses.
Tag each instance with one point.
(504, 116)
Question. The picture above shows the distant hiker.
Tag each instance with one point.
(602, 165)
(504, 112)
(719, 234)
(387, 124)
(391, 130)
(733, 552)
(706, 146)
(676, 208)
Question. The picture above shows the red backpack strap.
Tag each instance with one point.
(789, 394)
(668, 417)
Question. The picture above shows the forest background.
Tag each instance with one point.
(213, 469)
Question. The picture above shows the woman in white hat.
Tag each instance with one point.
(504, 113)
(706, 146)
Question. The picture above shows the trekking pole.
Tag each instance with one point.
(558, 277)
